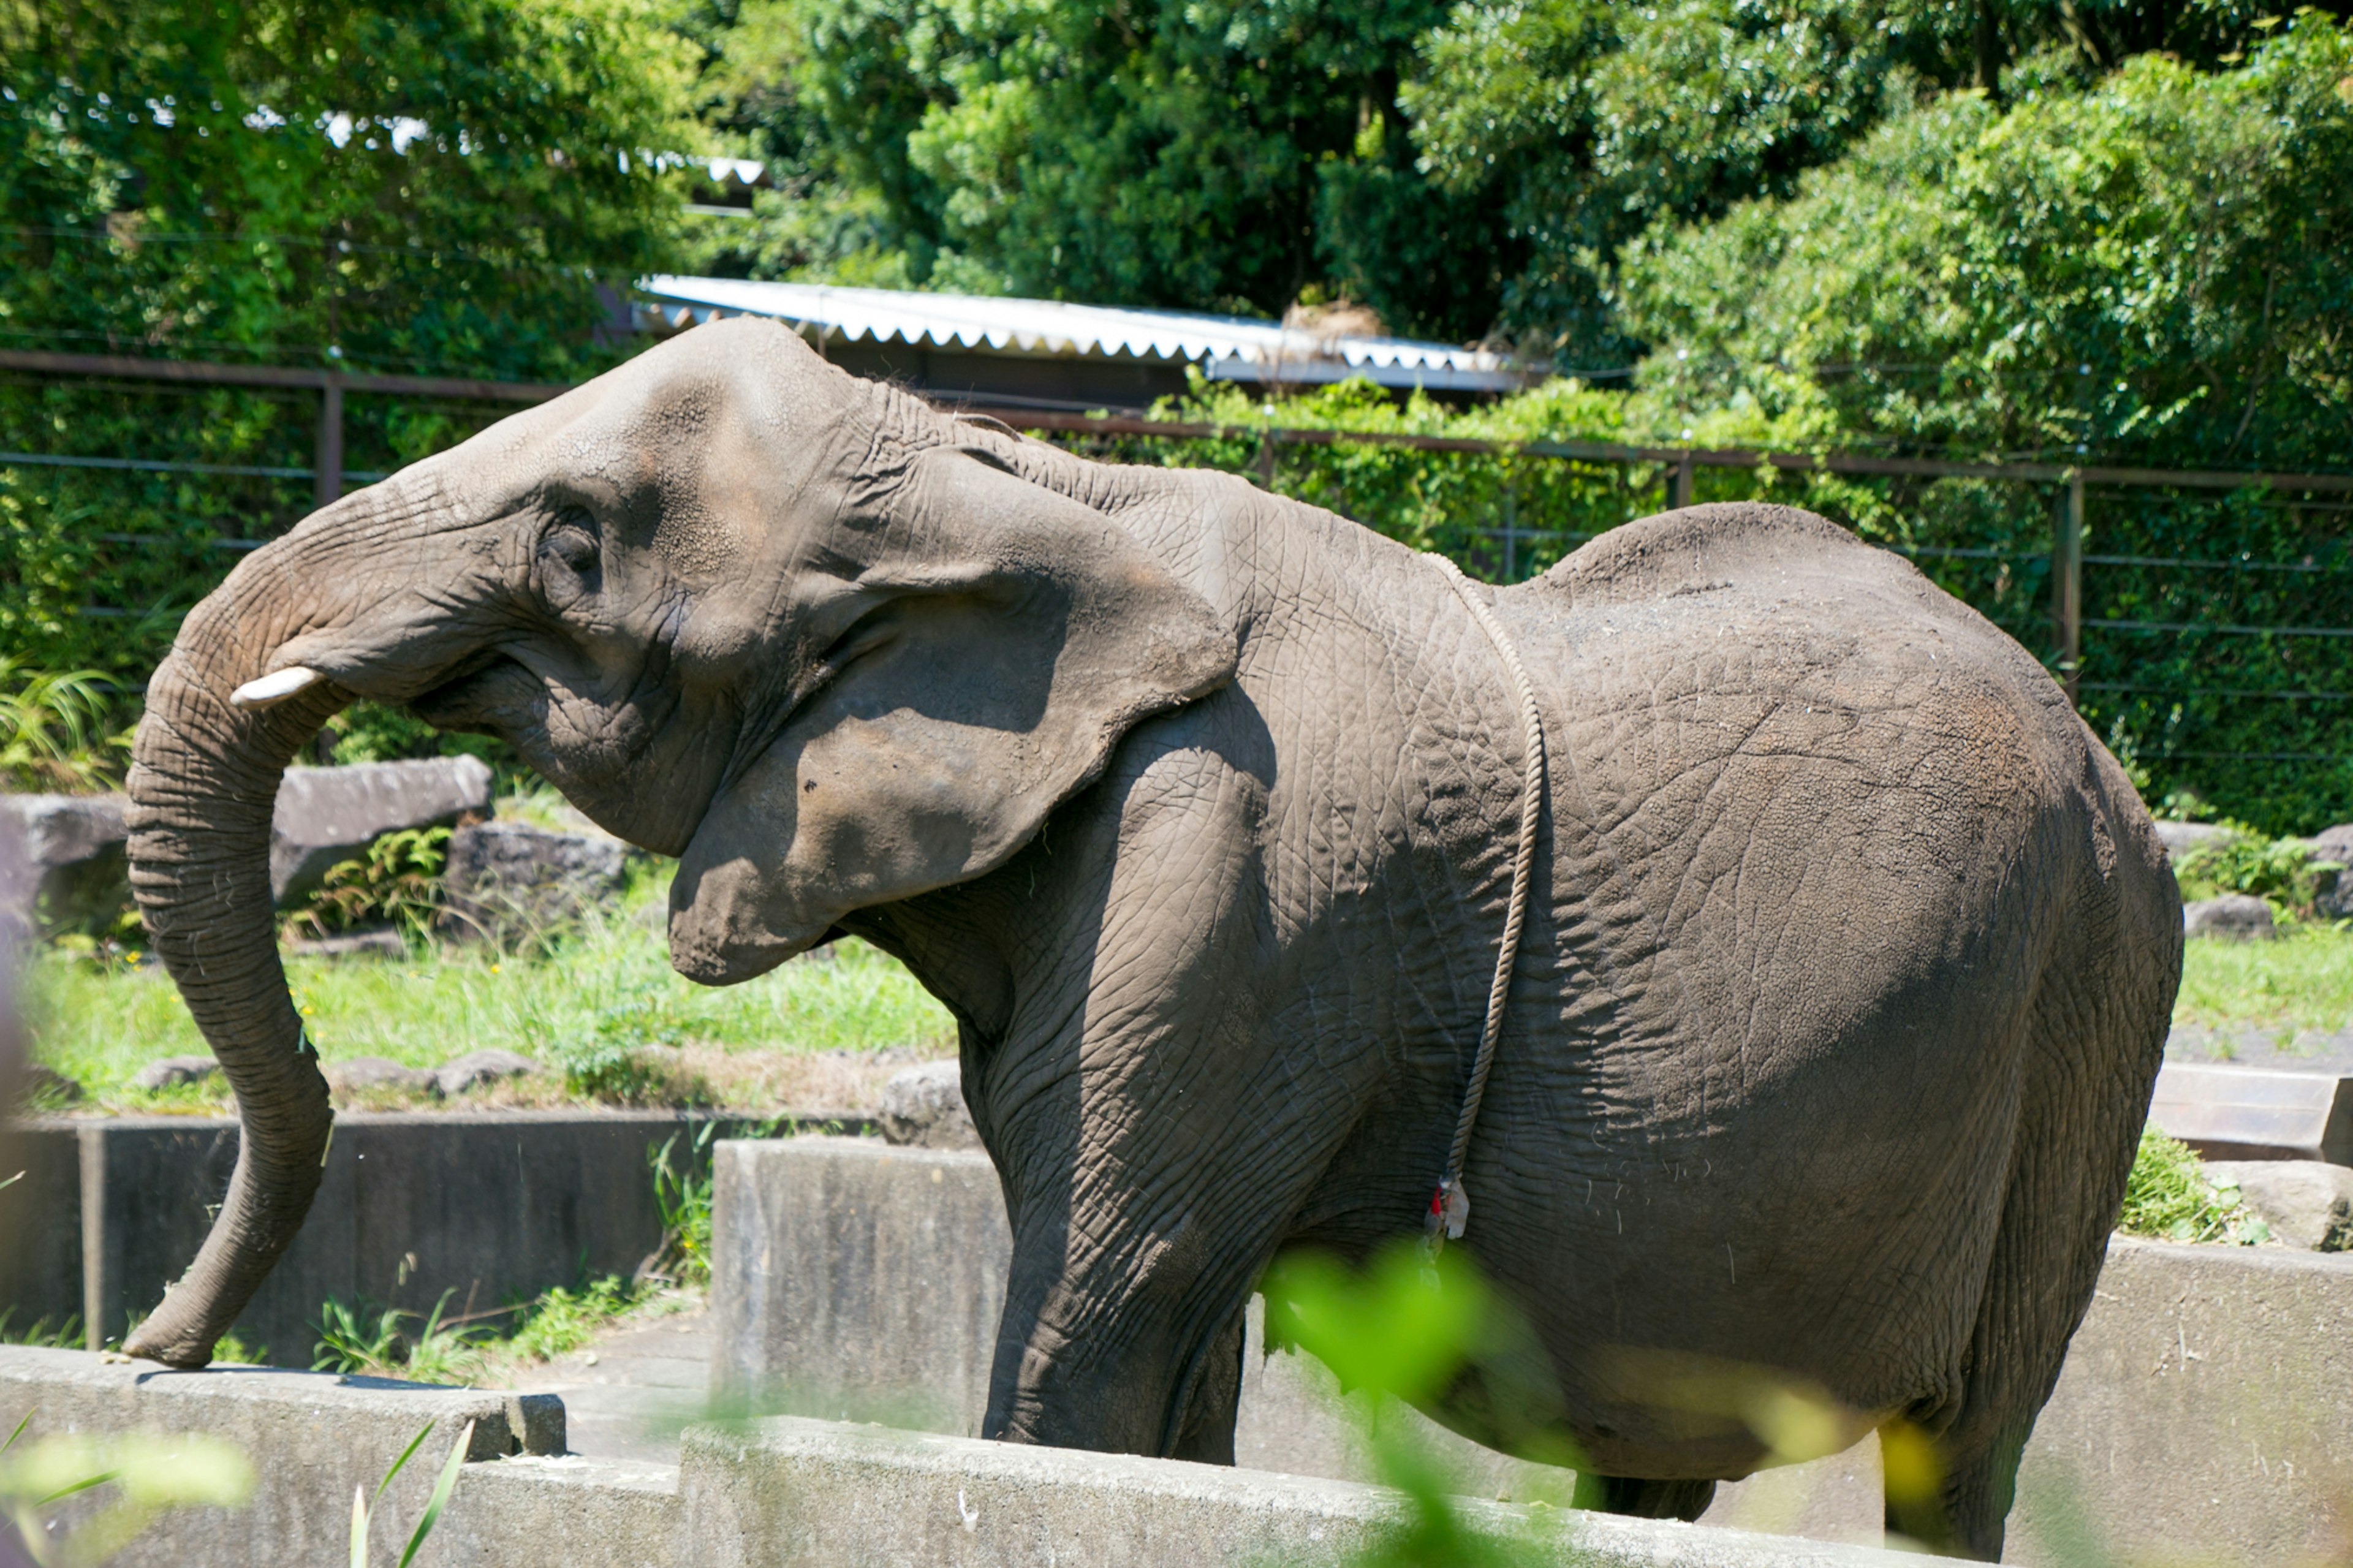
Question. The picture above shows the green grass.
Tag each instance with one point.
(607, 988)
(2302, 979)
(2169, 1196)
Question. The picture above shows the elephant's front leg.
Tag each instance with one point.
(1154, 1146)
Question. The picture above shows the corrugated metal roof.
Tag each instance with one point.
(1227, 348)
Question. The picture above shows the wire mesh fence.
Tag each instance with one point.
(2203, 623)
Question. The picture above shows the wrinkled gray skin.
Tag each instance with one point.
(1844, 984)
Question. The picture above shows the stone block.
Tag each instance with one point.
(379, 1072)
(2255, 1113)
(2306, 1203)
(172, 1072)
(2198, 1416)
(325, 817)
(510, 878)
(485, 1206)
(785, 1493)
(923, 1106)
(478, 1068)
(2234, 916)
(2181, 838)
(778, 1492)
(377, 941)
(68, 850)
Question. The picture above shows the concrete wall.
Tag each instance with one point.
(773, 1492)
(2201, 1412)
(488, 1206)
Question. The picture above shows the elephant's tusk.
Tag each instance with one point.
(275, 688)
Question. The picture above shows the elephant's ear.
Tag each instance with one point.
(1015, 636)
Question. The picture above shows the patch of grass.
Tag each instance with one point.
(2170, 1197)
(2301, 979)
(366, 1339)
(604, 990)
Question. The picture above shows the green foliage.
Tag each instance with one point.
(438, 187)
(397, 882)
(1209, 156)
(368, 1338)
(2281, 871)
(57, 731)
(2300, 980)
(63, 1336)
(2146, 270)
(563, 1320)
(141, 1475)
(363, 1507)
(683, 1192)
(2170, 1197)
(1411, 1328)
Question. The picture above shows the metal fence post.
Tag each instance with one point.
(327, 460)
(2067, 581)
(1679, 488)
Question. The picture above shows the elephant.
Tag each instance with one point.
(1848, 956)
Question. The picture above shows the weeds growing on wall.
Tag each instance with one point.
(397, 882)
(2169, 1196)
(59, 732)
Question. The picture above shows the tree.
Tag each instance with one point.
(1208, 155)
(435, 187)
(2151, 269)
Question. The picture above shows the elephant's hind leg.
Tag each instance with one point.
(1641, 1498)
(2093, 1044)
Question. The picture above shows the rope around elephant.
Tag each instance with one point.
(1450, 1206)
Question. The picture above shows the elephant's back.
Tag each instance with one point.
(1819, 832)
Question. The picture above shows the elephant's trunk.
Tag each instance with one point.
(204, 779)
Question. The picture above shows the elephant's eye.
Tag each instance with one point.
(569, 552)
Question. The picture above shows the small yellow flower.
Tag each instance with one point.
(494, 969)
(306, 1012)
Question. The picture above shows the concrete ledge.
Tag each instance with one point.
(783, 1492)
(2200, 1415)
(486, 1205)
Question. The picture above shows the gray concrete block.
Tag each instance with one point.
(510, 877)
(2183, 838)
(328, 816)
(2200, 1412)
(2306, 1203)
(2248, 1113)
(2234, 916)
(767, 1492)
(923, 1106)
(783, 1492)
(70, 871)
(487, 1206)
(312, 1437)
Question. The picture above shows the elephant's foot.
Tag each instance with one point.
(1641, 1498)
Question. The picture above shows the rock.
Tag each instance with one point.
(69, 853)
(476, 1069)
(2234, 917)
(2332, 897)
(2306, 1203)
(376, 1072)
(170, 1072)
(925, 1106)
(379, 941)
(2180, 838)
(510, 878)
(328, 816)
(41, 1085)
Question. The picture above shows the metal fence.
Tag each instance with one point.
(2201, 621)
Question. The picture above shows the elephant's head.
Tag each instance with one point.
(740, 606)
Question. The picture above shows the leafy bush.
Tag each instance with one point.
(59, 732)
(2170, 1197)
(2281, 872)
(397, 882)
